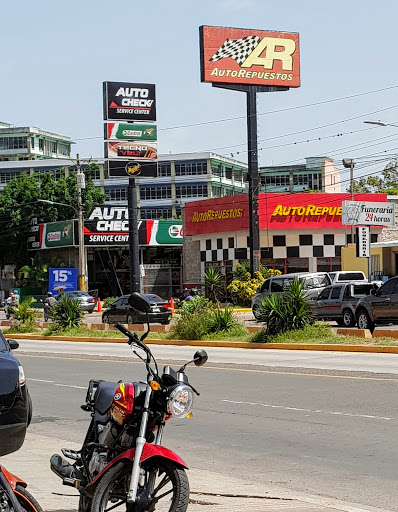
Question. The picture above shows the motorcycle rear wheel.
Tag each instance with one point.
(171, 488)
(26, 500)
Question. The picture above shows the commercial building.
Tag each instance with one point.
(30, 143)
(317, 174)
(298, 233)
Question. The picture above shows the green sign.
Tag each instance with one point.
(168, 232)
(58, 234)
(125, 131)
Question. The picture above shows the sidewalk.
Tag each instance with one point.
(210, 491)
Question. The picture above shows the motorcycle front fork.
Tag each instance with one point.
(139, 446)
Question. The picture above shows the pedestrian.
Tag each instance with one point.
(11, 303)
(49, 302)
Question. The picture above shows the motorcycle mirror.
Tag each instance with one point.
(139, 302)
(13, 344)
(200, 357)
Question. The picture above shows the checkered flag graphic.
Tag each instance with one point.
(237, 49)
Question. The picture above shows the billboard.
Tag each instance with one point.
(131, 149)
(250, 57)
(62, 278)
(107, 226)
(127, 131)
(129, 101)
(122, 168)
(368, 213)
(52, 234)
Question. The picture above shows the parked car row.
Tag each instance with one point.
(344, 296)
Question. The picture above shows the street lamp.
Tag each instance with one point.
(349, 164)
(82, 260)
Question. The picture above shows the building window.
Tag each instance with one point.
(208, 245)
(331, 264)
(41, 144)
(191, 190)
(279, 240)
(116, 194)
(216, 169)
(328, 239)
(373, 238)
(63, 149)
(7, 176)
(155, 192)
(305, 239)
(292, 252)
(228, 173)
(164, 169)
(275, 181)
(237, 175)
(156, 213)
(317, 251)
(231, 242)
(215, 191)
(13, 143)
(190, 168)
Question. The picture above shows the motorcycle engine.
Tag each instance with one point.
(97, 463)
(106, 433)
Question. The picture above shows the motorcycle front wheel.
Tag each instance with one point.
(163, 487)
(26, 500)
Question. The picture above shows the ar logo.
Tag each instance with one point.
(252, 51)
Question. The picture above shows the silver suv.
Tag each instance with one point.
(313, 283)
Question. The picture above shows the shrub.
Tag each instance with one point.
(24, 313)
(20, 328)
(214, 284)
(196, 304)
(243, 287)
(67, 313)
(108, 301)
(222, 320)
(192, 326)
(286, 312)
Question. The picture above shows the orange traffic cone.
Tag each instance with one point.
(99, 307)
(172, 306)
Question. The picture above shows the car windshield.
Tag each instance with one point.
(350, 276)
(3, 343)
(316, 282)
(362, 289)
(75, 295)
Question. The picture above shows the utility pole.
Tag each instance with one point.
(349, 163)
(135, 278)
(81, 183)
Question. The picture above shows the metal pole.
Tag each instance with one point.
(133, 237)
(82, 267)
(254, 230)
(352, 195)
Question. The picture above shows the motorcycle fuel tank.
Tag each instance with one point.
(123, 403)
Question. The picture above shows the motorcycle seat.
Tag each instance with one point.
(104, 396)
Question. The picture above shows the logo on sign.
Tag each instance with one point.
(133, 169)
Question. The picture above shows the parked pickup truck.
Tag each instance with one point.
(339, 301)
(350, 276)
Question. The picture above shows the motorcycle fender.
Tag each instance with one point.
(149, 451)
(12, 479)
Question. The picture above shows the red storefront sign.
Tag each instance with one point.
(276, 211)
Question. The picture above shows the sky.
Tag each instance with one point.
(56, 55)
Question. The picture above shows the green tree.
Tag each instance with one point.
(19, 205)
(386, 183)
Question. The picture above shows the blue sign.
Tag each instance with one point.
(64, 279)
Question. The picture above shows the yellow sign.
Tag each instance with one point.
(307, 211)
(233, 213)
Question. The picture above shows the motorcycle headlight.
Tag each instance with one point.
(180, 401)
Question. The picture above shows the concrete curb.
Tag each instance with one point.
(220, 344)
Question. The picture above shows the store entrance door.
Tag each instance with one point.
(163, 280)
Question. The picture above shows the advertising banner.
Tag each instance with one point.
(250, 57)
(131, 168)
(127, 131)
(129, 102)
(276, 211)
(58, 234)
(368, 213)
(131, 149)
(62, 278)
(109, 226)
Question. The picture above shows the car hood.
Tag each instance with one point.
(9, 375)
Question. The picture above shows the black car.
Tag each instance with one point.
(381, 307)
(15, 401)
(121, 311)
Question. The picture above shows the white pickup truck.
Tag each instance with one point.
(351, 276)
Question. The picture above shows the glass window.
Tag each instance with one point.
(216, 169)
(164, 169)
(265, 285)
(13, 143)
(324, 295)
(7, 176)
(155, 192)
(215, 191)
(116, 194)
(388, 287)
(156, 213)
(191, 190)
(190, 168)
(335, 292)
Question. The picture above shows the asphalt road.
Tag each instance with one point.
(328, 432)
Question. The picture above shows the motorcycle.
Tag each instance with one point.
(14, 497)
(122, 462)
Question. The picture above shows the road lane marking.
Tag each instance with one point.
(246, 370)
(42, 380)
(70, 386)
(315, 411)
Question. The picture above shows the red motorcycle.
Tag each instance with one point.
(14, 496)
(122, 462)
